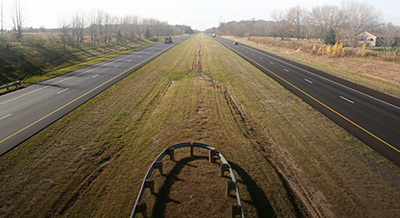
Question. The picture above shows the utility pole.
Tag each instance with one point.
(2, 23)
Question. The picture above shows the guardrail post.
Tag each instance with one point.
(224, 167)
(191, 149)
(236, 210)
(158, 165)
(171, 154)
(230, 186)
(142, 208)
(211, 155)
(149, 184)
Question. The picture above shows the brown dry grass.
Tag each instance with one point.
(289, 159)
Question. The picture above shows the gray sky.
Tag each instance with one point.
(199, 14)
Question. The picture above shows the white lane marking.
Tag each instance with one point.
(354, 90)
(31, 92)
(4, 117)
(346, 99)
(271, 63)
(309, 81)
(95, 76)
(261, 58)
(63, 80)
(116, 67)
(64, 90)
(130, 61)
(285, 69)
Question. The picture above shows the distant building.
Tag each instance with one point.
(375, 39)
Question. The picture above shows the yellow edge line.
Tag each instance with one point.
(326, 106)
(65, 105)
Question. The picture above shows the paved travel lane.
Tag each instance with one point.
(25, 112)
(371, 116)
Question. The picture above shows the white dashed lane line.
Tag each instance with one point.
(309, 81)
(95, 76)
(64, 90)
(346, 99)
(4, 117)
(285, 69)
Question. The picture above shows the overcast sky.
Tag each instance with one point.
(200, 14)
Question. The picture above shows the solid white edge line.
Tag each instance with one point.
(362, 93)
(4, 117)
(346, 99)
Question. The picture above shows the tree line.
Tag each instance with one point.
(96, 27)
(344, 23)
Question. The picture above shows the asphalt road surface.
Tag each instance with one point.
(25, 112)
(371, 116)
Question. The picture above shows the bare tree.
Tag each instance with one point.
(389, 39)
(78, 27)
(359, 17)
(281, 26)
(325, 17)
(63, 30)
(17, 19)
(297, 17)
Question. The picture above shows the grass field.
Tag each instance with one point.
(289, 159)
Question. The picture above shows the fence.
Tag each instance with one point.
(141, 207)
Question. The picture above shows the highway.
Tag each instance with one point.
(25, 112)
(371, 116)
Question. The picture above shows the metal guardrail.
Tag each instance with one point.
(16, 84)
(141, 207)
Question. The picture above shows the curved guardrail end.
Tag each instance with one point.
(141, 207)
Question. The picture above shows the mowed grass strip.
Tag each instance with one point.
(289, 159)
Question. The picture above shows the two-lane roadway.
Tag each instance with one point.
(25, 112)
(371, 116)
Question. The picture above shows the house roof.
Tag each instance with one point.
(397, 35)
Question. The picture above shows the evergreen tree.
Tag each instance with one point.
(147, 34)
(330, 36)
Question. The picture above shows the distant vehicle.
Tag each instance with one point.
(235, 43)
(213, 35)
(168, 40)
